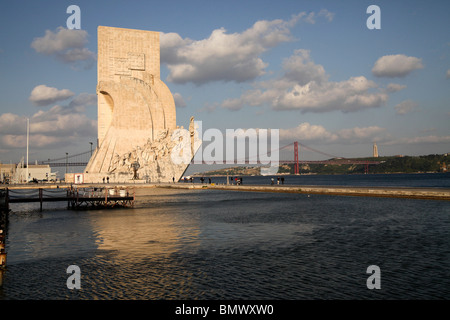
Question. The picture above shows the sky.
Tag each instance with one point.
(311, 69)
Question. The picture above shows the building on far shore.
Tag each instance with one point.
(375, 150)
(7, 172)
(17, 173)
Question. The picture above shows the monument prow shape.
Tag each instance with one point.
(137, 129)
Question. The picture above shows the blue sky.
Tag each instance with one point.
(309, 68)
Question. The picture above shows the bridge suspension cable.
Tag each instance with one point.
(67, 157)
(314, 150)
(75, 160)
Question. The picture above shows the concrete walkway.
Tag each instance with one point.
(395, 192)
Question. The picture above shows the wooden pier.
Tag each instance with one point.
(76, 197)
(100, 197)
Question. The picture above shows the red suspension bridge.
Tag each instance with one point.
(81, 159)
(333, 161)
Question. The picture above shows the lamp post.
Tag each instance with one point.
(28, 140)
(91, 148)
(67, 159)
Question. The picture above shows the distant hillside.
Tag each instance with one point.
(397, 164)
(235, 171)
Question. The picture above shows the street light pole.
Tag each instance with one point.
(67, 158)
(91, 148)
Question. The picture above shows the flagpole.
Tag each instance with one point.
(28, 139)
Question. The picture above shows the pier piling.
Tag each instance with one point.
(40, 199)
(2, 255)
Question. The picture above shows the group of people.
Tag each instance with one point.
(202, 179)
(185, 179)
(191, 179)
(278, 180)
(236, 180)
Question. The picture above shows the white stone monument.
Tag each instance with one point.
(137, 131)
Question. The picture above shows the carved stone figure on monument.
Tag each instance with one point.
(115, 163)
(192, 132)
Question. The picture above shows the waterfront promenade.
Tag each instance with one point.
(392, 192)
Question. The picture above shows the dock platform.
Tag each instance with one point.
(76, 197)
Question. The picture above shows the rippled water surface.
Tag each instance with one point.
(210, 244)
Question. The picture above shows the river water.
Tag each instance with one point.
(426, 180)
(212, 244)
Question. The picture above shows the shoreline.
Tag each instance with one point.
(197, 175)
(389, 192)
(363, 191)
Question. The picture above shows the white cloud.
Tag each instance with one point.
(65, 45)
(62, 40)
(398, 65)
(62, 121)
(42, 95)
(347, 96)
(83, 100)
(305, 86)
(405, 107)
(394, 87)
(299, 68)
(58, 126)
(420, 140)
(365, 134)
(208, 108)
(227, 56)
(36, 141)
(327, 14)
(179, 101)
(307, 132)
(12, 124)
(317, 133)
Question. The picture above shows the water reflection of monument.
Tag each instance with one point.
(137, 128)
(158, 231)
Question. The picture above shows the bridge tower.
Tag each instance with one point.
(296, 167)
